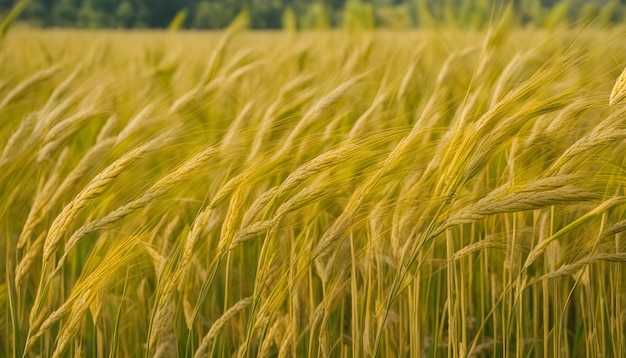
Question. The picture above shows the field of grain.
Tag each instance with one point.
(252, 194)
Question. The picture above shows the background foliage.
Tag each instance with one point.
(271, 14)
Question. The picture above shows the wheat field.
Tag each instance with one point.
(436, 192)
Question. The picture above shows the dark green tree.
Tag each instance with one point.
(211, 15)
(64, 13)
(125, 14)
(266, 13)
(143, 13)
(35, 12)
(87, 16)
(269, 13)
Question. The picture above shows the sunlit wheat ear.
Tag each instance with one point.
(64, 130)
(273, 336)
(307, 170)
(574, 268)
(159, 189)
(305, 197)
(360, 123)
(234, 130)
(164, 313)
(52, 319)
(619, 89)
(62, 89)
(285, 346)
(37, 211)
(107, 129)
(512, 198)
(23, 86)
(316, 111)
(93, 190)
(23, 267)
(540, 248)
(219, 324)
(136, 123)
(162, 320)
(73, 322)
(53, 115)
(79, 172)
(615, 229)
(83, 292)
(16, 141)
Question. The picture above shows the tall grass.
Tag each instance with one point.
(437, 193)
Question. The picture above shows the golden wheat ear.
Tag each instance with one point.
(619, 90)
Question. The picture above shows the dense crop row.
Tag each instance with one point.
(321, 194)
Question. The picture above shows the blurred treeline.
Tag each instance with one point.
(314, 14)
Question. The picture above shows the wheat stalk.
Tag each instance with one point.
(63, 130)
(160, 188)
(619, 89)
(615, 228)
(603, 207)
(319, 108)
(219, 324)
(94, 189)
(512, 198)
(31, 81)
(320, 163)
